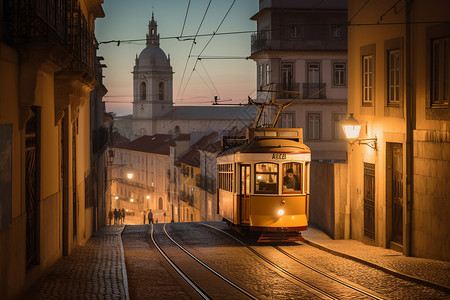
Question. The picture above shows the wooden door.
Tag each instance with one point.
(245, 193)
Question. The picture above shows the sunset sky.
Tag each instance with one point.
(217, 76)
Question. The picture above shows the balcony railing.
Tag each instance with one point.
(58, 22)
(314, 91)
(259, 41)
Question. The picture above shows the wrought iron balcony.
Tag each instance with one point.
(56, 22)
(259, 41)
(314, 91)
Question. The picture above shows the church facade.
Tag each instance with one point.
(153, 108)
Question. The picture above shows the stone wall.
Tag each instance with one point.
(328, 197)
(431, 202)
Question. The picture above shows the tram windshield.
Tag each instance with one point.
(292, 180)
(266, 178)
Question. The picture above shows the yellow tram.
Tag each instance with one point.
(263, 184)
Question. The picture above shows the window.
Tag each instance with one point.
(143, 91)
(296, 31)
(286, 76)
(287, 120)
(339, 74)
(225, 172)
(367, 80)
(313, 126)
(393, 77)
(267, 74)
(440, 72)
(161, 91)
(337, 31)
(292, 180)
(266, 178)
(338, 131)
(261, 75)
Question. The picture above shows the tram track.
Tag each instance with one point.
(355, 292)
(195, 277)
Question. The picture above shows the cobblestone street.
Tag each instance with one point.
(96, 271)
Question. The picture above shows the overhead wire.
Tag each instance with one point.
(210, 79)
(214, 32)
(350, 21)
(190, 51)
(185, 17)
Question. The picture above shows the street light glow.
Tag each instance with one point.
(351, 127)
(130, 175)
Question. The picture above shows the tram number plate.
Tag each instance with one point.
(279, 156)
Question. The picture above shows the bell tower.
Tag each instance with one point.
(152, 84)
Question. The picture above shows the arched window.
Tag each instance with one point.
(177, 129)
(160, 203)
(143, 91)
(161, 90)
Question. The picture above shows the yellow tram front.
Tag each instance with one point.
(263, 185)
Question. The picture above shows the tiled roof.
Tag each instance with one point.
(158, 144)
(212, 113)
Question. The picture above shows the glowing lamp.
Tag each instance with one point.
(281, 212)
(352, 128)
(130, 175)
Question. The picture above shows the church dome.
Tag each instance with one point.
(153, 56)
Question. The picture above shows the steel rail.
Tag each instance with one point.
(326, 275)
(183, 275)
(209, 268)
(304, 264)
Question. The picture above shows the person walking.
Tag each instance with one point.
(110, 217)
(145, 215)
(150, 217)
(123, 215)
(116, 216)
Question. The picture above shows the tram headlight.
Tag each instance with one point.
(281, 212)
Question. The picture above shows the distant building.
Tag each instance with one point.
(153, 109)
(301, 53)
(174, 175)
(399, 92)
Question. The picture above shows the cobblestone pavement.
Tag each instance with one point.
(93, 271)
(432, 272)
(96, 270)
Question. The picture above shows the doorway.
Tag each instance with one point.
(245, 193)
(394, 189)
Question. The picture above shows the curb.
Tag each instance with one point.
(124, 268)
(384, 269)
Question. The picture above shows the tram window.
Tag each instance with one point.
(225, 172)
(266, 178)
(292, 180)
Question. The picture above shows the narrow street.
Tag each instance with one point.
(98, 271)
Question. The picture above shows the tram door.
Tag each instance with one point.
(245, 193)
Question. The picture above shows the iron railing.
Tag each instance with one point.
(59, 22)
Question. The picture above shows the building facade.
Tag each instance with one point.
(399, 93)
(47, 63)
(300, 49)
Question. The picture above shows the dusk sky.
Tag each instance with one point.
(226, 78)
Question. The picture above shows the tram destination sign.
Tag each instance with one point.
(279, 156)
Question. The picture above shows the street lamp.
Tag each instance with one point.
(130, 175)
(352, 128)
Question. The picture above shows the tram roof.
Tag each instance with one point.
(272, 140)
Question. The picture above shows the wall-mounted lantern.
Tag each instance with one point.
(352, 128)
(110, 157)
(130, 175)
